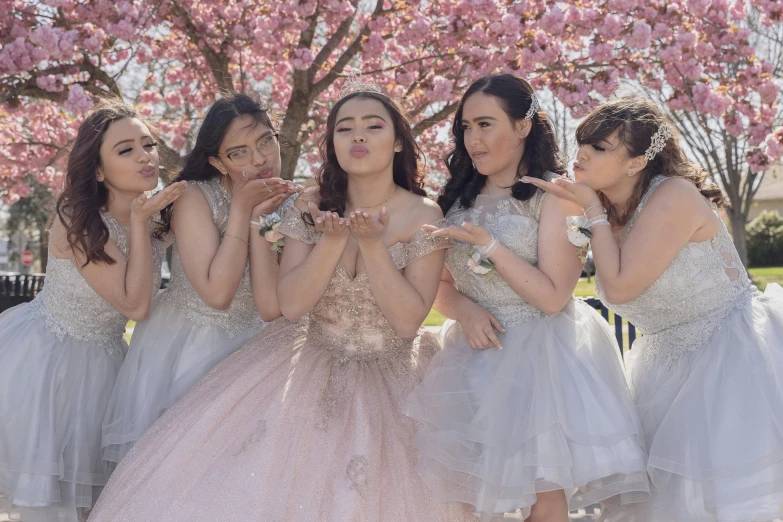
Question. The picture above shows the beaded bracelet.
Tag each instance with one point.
(591, 208)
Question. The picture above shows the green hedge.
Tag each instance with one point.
(765, 240)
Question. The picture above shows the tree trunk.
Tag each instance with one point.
(43, 246)
(737, 220)
(295, 117)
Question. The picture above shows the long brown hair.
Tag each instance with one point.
(333, 180)
(78, 206)
(542, 154)
(636, 120)
(209, 138)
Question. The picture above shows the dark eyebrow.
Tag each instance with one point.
(121, 142)
(129, 140)
(263, 136)
(480, 118)
(369, 116)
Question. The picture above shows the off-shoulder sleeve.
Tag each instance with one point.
(293, 226)
(421, 244)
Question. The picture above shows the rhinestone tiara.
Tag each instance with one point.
(354, 83)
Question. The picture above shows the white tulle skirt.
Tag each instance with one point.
(168, 355)
(713, 421)
(53, 395)
(549, 411)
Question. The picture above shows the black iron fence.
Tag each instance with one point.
(19, 288)
(624, 331)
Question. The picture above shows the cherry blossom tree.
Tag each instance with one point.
(734, 145)
(174, 57)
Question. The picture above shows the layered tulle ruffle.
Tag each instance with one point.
(713, 419)
(549, 411)
(168, 355)
(53, 395)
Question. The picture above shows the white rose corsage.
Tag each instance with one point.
(478, 258)
(579, 235)
(477, 264)
(267, 226)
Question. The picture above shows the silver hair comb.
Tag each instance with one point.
(533, 107)
(658, 142)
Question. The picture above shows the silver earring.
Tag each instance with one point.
(474, 164)
(244, 173)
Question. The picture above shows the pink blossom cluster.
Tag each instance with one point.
(172, 58)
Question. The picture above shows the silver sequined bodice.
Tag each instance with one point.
(514, 224)
(242, 313)
(690, 299)
(69, 306)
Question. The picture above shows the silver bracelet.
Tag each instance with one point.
(594, 222)
(591, 208)
(487, 250)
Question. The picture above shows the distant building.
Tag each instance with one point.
(769, 195)
(3, 254)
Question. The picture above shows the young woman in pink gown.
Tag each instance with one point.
(305, 422)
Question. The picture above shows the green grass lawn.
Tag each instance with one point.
(765, 275)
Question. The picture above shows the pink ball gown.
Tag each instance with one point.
(302, 423)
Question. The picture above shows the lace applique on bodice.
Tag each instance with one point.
(242, 313)
(514, 224)
(69, 306)
(347, 319)
(683, 307)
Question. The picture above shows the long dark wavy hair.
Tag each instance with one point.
(83, 197)
(636, 120)
(333, 180)
(542, 153)
(210, 135)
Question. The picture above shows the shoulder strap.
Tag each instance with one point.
(654, 184)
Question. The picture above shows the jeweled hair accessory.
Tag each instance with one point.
(533, 107)
(659, 139)
(355, 83)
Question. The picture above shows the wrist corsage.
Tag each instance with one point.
(266, 225)
(478, 259)
(579, 235)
